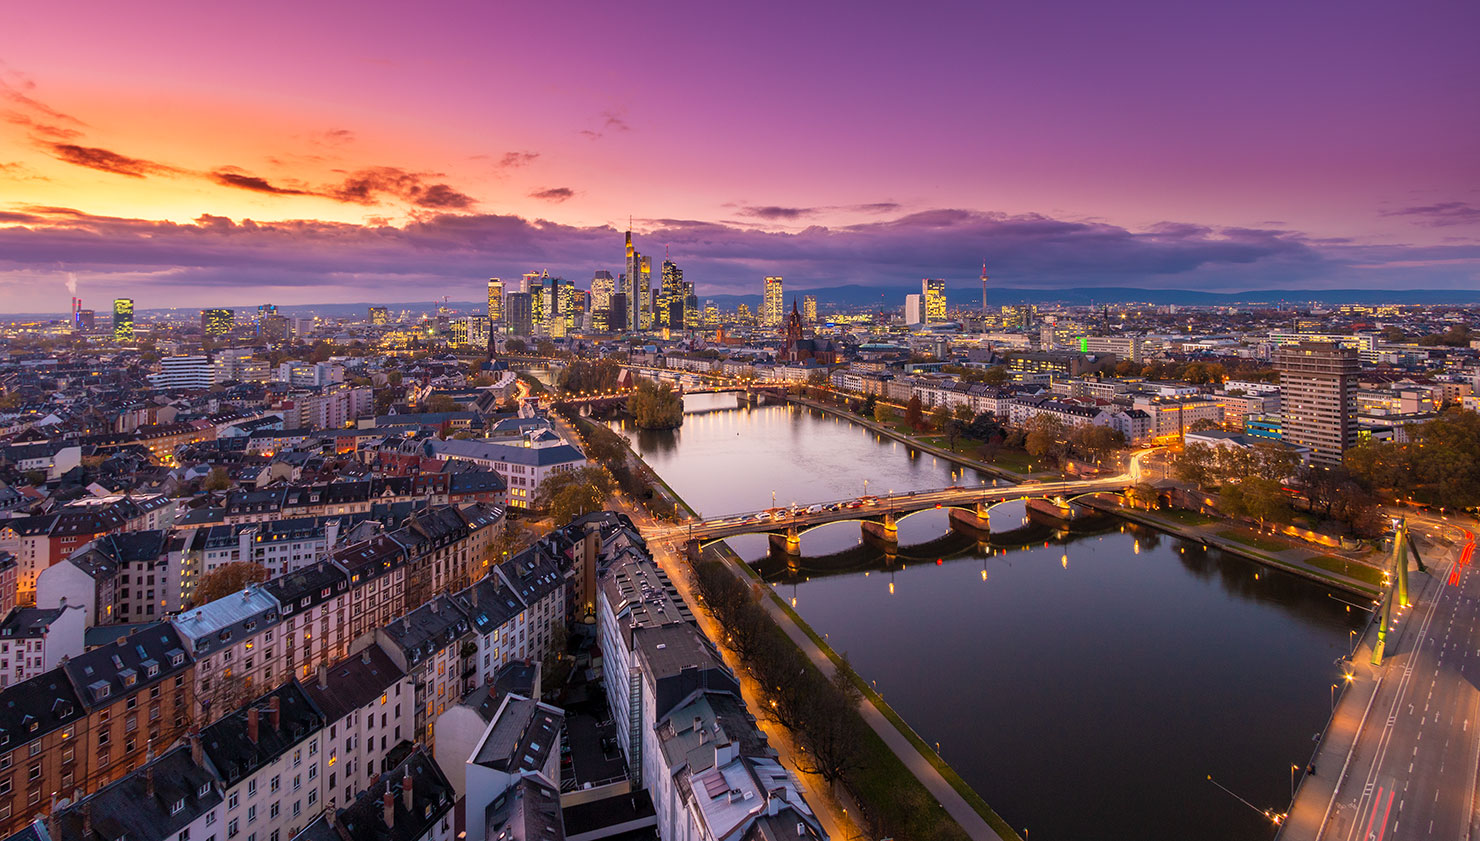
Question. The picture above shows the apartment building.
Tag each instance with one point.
(1318, 398)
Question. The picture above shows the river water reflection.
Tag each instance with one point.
(1086, 685)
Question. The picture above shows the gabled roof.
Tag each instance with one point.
(152, 802)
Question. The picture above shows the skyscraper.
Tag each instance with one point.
(771, 306)
(809, 309)
(639, 287)
(495, 299)
(216, 322)
(933, 293)
(914, 310)
(690, 307)
(518, 313)
(1318, 401)
(616, 316)
(123, 319)
(645, 292)
(670, 297)
(602, 289)
(379, 316)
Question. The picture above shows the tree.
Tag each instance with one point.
(571, 494)
(655, 405)
(227, 579)
(1197, 465)
(1256, 498)
(914, 413)
(545, 347)
(516, 346)
(996, 375)
(963, 413)
(883, 413)
(1043, 435)
(218, 480)
(1203, 425)
(939, 416)
(441, 403)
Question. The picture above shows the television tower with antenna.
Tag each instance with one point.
(984, 288)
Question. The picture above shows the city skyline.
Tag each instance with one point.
(1124, 148)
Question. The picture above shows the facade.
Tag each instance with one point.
(43, 736)
(123, 319)
(137, 693)
(216, 322)
(602, 289)
(366, 703)
(914, 310)
(933, 294)
(495, 299)
(772, 309)
(1318, 398)
(519, 314)
(34, 640)
(522, 468)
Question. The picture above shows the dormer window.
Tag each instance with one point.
(177, 807)
(205, 789)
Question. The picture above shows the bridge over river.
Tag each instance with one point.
(878, 516)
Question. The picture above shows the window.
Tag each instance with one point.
(272, 785)
(252, 787)
(272, 809)
(232, 801)
(252, 813)
(211, 820)
(231, 828)
(177, 807)
(5, 786)
(296, 810)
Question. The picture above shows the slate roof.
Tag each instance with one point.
(228, 743)
(431, 798)
(143, 805)
(32, 708)
(351, 683)
(139, 660)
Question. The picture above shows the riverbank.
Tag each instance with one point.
(1214, 532)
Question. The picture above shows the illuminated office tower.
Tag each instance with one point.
(216, 322)
(123, 319)
(742, 314)
(645, 292)
(711, 314)
(670, 297)
(495, 299)
(602, 289)
(379, 316)
(933, 294)
(771, 306)
(534, 286)
(470, 331)
(690, 307)
(809, 309)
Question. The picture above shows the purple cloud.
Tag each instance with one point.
(1440, 215)
(553, 194)
(107, 161)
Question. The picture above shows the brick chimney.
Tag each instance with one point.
(406, 791)
(274, 712)
(323, 676)
(193, 737)
(252, 715)
(388, 804)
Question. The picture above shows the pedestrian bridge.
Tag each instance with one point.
(878, 516)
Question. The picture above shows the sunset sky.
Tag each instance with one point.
(197, 155)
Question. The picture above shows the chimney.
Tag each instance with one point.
(252, 725)
(406, 792)
(323, 676)
(274, 712)
(388, 804)
(87, 828)
(365, 656)
(193, 737)
(436, 608)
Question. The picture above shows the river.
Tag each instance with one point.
(1086, 685)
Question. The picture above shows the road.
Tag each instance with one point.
(1412, 771)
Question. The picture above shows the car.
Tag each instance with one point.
(816, 509)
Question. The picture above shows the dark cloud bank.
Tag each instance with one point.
(217, 259)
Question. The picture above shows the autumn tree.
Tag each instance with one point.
(914, 413)
(218, 480)
(570, 494)
(227, 579)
